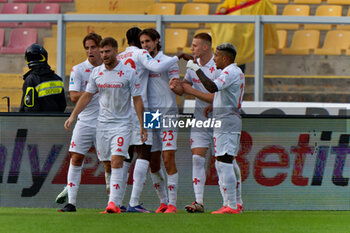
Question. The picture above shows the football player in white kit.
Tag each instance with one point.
(115, 83)
(201, 138)
(163, 100)
(142, 61)
(228, 89)
(84, 133)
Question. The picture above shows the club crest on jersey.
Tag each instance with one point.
(151, 120)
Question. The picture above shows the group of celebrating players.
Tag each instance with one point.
(112, 91)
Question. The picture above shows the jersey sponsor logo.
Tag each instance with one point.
(151, 120)
(143, 52)
(212, 69)
(111, 85)
(226, 72)
(137, 85)
(154, 75)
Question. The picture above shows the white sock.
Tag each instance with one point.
(73, 182)
(158, 179)
(172, 188)
(237, 171)
(108, 179)
(140, 171)
(117, 183)
(126, 167)
(229, 183)
(198, 177)
(221, 185)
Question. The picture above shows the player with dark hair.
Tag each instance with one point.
(43, 90)
(116, 83)
(161, 98)
(84, 133)
(228, 89)
(142, 62)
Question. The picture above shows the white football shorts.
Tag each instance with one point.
(201, 138)
(83, 137)
(164, 139)
(226, 143)
(113, 141)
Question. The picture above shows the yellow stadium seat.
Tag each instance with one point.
(303, 42)
(192, 9)
(325, 10)
(282, 42)
(11, 86)
(335, 43)
(294, 10)
(319, 2)
(175, 39)
(280, 1)
(112, 6)
(344, 26)
(338, 2)
(162, 9)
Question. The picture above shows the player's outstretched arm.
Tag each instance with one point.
(185, 56)
(83, 101)
(207, 83)
(138, 105)
(207, 97)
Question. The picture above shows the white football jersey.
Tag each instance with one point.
(159, 94)
(211, 72)
(79, 78)
(115, 89)
(227, 101)
(142, 61)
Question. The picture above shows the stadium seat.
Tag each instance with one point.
(3, 0)
(282, 42)
(318, 2)
(162, 9)
(335, 43)
(43, 8)
(20, 39)
(303, 42)
(175, 39)
(338, 2)
(294, 10)
(112, 7)
(192, 9)
(344, 26)
(325, 10)
(13, 8)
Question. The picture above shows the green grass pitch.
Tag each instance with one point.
(35, 220)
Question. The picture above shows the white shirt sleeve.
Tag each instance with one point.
(225, 80)
(153, 65)
(188, 76)
(173, 71)
(75, 80)
(135, 86)
(91, 86)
